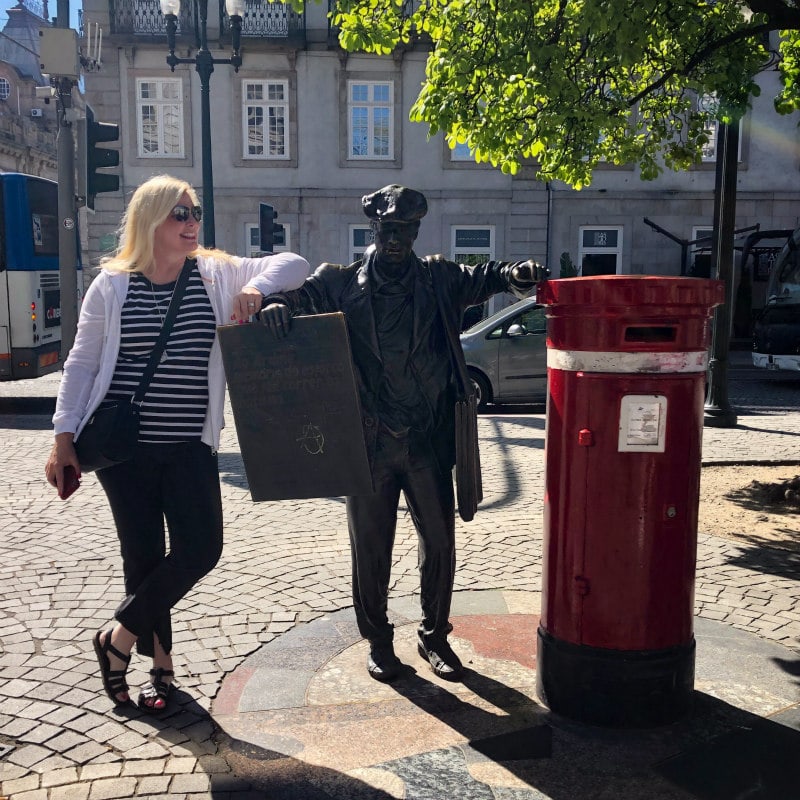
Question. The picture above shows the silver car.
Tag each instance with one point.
(506, 355)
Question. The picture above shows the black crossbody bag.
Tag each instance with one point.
(112, 432)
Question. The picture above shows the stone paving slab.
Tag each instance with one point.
(489, 735)
(285, 567)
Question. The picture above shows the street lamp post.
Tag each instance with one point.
(204, 64)
(718, 411)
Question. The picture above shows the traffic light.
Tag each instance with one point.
(271, 232)
(92, 158)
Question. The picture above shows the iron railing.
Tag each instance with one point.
(144, 18)
(261, 19)
(269, 20)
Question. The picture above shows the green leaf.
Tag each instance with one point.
(571, 82)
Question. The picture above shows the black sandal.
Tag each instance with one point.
(157, 689)
(113, 679)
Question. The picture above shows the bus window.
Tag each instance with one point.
(44, 223)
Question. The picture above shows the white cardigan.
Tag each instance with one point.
(90, 365)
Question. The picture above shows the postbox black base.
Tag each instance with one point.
(623, 689)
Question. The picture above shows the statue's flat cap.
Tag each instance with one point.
(396, 204)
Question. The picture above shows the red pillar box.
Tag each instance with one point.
(626, 359)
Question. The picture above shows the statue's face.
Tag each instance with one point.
(394, 240)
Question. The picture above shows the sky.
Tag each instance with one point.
(74, 5)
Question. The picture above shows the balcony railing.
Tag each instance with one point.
(262, 20)
(144, 18)
(271, 20)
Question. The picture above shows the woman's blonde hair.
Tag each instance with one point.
(150, 205)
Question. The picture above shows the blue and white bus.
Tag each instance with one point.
(776, 333)
(30, 293)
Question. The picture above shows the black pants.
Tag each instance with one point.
(408, 465)
(179, 483)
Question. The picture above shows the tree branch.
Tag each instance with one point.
(699, 57)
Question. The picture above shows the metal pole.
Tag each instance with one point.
(67, 211)
(204, 64)
(718, 411)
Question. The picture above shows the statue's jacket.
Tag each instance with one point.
(335, 287)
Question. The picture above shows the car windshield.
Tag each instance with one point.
(496, 318)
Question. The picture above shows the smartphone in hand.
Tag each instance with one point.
(70, 482)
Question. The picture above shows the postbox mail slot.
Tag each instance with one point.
(651, 333)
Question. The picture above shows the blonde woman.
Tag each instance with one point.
(173, 475)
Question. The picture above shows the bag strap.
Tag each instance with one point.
(166, 329)
(456, 353)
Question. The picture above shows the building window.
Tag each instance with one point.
(5, 89)
(361, 237)
(266, 115)
(472, 244)
(461, 152)
(370, 108)
(699, 265)
(710, 104)
(281, 241)
(600, 251)
(159, 116)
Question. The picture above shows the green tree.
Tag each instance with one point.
(566, 83)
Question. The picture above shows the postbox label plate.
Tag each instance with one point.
(642, 423)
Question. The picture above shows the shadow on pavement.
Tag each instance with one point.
(28, 405)
(739, 426)
(791, 666)
(756, 760)
(280, 777)
(252, 771)
(719, 752)
(516, 408)
(231, 469)
(758, 556)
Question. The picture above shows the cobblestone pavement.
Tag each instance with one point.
(284, 564)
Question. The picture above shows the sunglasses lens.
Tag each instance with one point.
(181, 213)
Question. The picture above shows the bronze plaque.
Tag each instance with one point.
(296, 408)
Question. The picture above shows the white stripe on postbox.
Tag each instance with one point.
(588, 361)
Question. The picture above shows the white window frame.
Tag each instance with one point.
(477, 255)
(371, 106)
(357, 250)
(5, 88)
(252, 231)
(699, 231)
(161, 106)
(272, 109)
(600, 249)
(463, 256)
(709, 152)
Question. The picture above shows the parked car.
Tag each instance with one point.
(506, 355)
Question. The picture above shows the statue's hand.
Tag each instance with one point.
(527, 274)
(277, 318)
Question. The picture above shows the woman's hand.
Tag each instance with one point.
(246, 303)
(62, 455)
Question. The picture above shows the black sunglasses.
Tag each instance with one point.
(181, 213)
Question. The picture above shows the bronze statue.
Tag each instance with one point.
(406, 388)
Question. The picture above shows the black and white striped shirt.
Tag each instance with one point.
(175, 404)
